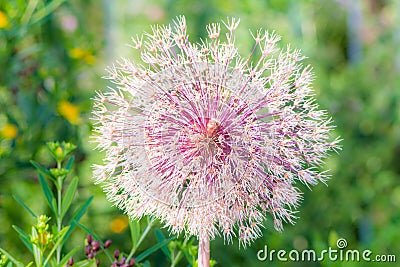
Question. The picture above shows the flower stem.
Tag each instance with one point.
(59, 218)
(204, 251)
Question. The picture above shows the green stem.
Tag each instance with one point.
(59, 218)
(176, 259)
(49, 8)
(30, 7)
(145, 232)
(41, 257)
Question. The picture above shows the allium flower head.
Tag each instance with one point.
(206, 140)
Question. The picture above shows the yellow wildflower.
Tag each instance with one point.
(4, 24)
(119, 224)
(69, 111)
(9, 131)
(77, 53)
(89, 58)
(82, 54)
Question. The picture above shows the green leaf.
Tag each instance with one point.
(31, 6)
(68, 166)
(50, 199)
(160, 238)
(177, 258)
(60, 239)
(82, 209)
(54, 203)
(52, 262)
(78, 215)
(86, 263)
(87, 230)
(37, 255)
(188, 256)
(25, 206)
(12, 259)
(24, 237)
(154, 248)
(64, 260)
(69, 196)
(42, 170)
(135, 232)
(45, 11)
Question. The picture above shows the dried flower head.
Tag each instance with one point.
(208, 141)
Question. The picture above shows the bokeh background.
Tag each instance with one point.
(52, 62)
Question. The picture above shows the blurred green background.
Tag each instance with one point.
(52, 62)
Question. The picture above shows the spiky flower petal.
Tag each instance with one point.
(206, 140)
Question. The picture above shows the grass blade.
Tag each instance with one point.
(24, 237)
(60, 239)
(12, 259)
(45, 11)
(42, 170)
(87, 230)
(160, 238)
(96, 237)
(86, 263)
(134, 227)
(154, 248)
(50, 199)
(64, 260)
(78, 215)
(83, 208)
(25, 206)
(69, 196)
(68, 166)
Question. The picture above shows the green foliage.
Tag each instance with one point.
(47, 237)
(45, 241)
(50, 73)
(37, 49)
(41, 93)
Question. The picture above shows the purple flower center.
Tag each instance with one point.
(207, 140)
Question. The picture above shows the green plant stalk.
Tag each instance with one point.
(175, 259)
(37, 250)
(38, 256)
(60, 237)
(12, 259)
(29, 11)
(48, 9)
(59, 218)
(142, 237)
